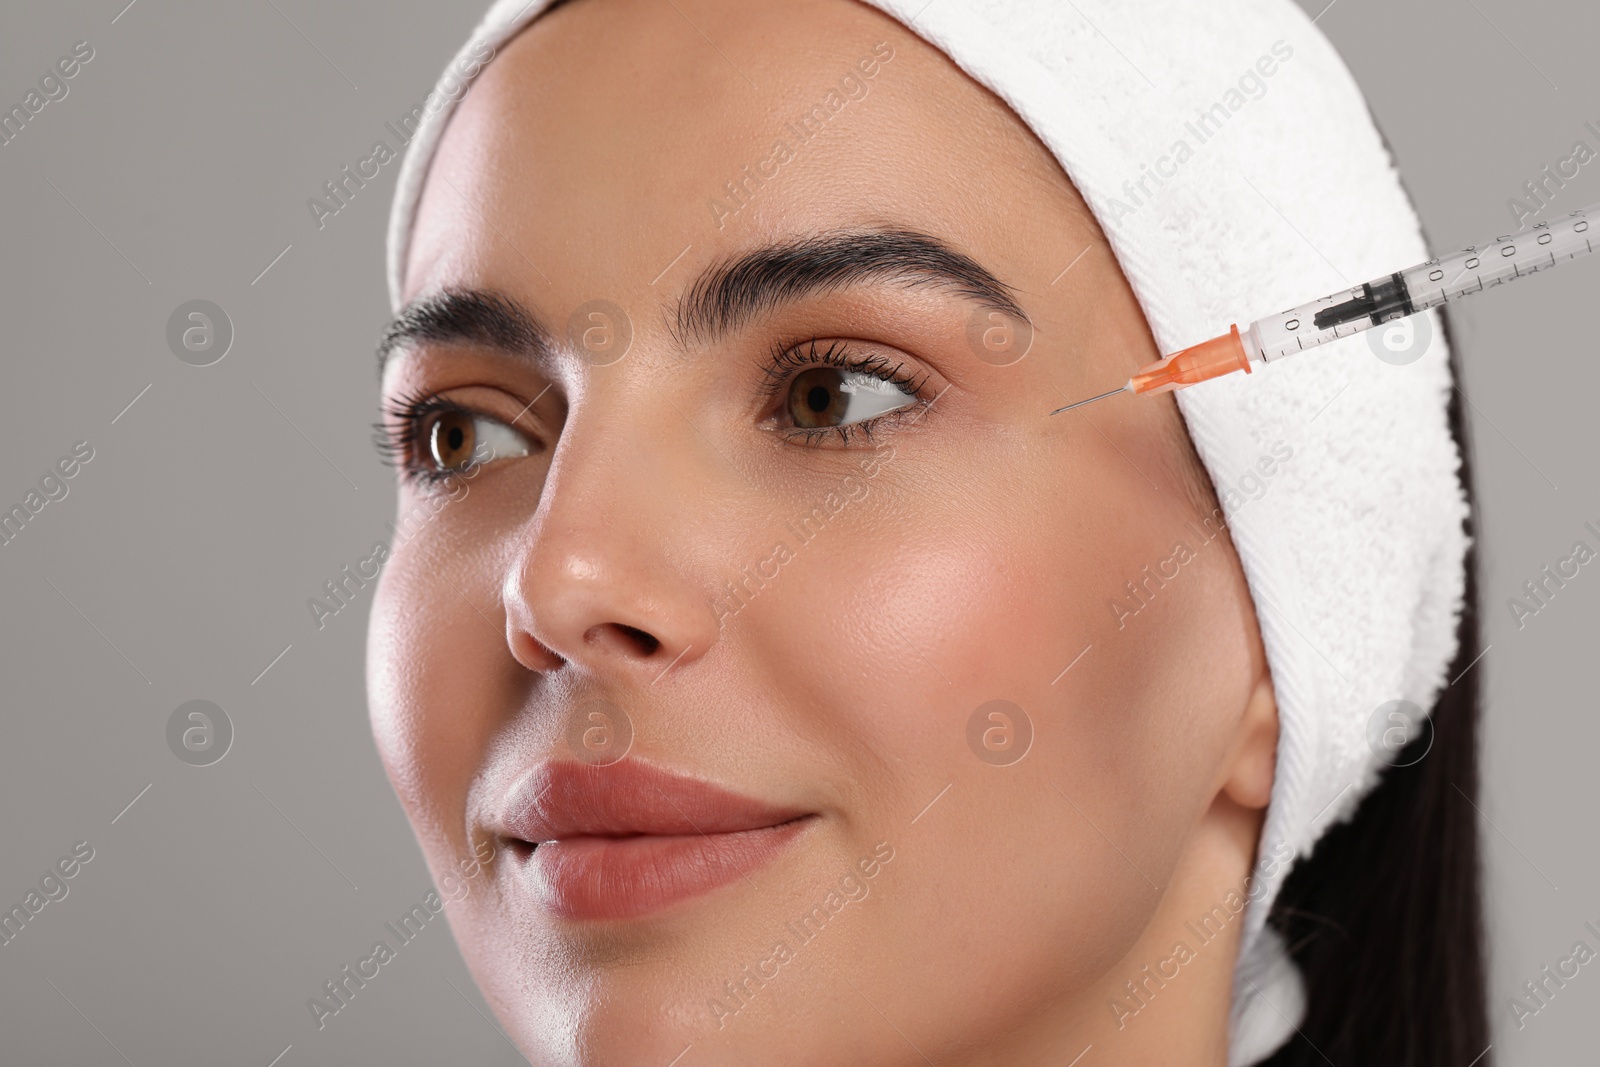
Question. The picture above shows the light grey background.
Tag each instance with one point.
(179, 565)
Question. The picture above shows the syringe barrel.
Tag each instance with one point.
(1427, 285)
(1328, 318)
(1475, 269)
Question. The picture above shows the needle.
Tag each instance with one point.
(1091, 400)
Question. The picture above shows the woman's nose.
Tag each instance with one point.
(598, 579)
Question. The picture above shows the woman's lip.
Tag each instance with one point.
(609, 878)
(556, 800)
(629, 838)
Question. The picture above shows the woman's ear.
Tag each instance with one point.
(1249, 768)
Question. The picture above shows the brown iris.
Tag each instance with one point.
(452, 439)
(816, 399)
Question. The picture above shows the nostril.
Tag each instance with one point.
(644, 643)
(647, 642)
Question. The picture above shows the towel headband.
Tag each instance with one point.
(1232, 163)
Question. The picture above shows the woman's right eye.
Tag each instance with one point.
(429, 439)
(456, 439)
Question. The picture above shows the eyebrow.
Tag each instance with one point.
(474, 315)
(725, 296)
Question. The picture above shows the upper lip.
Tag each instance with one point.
(555, 800)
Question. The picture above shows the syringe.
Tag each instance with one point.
(1381, 300)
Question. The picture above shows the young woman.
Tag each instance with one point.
(778, 684)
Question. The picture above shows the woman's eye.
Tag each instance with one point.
(459, 439)
(824, 397)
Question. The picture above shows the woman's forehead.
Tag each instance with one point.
(629, 125)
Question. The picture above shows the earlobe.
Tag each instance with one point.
(1255, 752)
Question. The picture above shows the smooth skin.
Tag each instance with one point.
(981, 557)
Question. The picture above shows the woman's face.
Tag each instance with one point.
(773, 505)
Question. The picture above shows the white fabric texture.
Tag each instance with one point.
(1354, 554)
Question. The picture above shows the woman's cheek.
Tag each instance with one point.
(389, 687)
(1019, 611)
(426, 664)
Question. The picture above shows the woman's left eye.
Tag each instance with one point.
(832, 391)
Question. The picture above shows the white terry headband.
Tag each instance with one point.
(1231, 161)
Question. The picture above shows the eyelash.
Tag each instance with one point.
(783, 361)
(398, 436)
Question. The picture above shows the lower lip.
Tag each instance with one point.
(629, 877)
